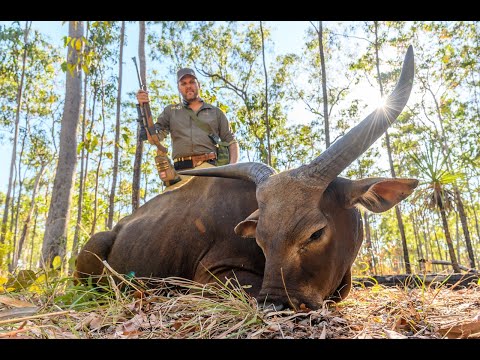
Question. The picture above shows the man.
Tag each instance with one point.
(191, 145)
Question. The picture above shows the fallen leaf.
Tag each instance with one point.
(7, 300)
(462, 330)
(395, 335)
(133, 324)
(339, 320)
(323, 335)
(87, 322)
(17, 313)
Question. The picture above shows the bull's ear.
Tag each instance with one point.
(248, 227)
(379, 194)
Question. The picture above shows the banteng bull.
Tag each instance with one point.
(305, 223)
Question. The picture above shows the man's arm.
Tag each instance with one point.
(234, 150)
(227, 135)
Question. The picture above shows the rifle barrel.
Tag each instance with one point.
(138, 73)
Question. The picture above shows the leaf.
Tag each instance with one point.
(14, 302)
(57, 262)
(80, 146)
(16, 313)
(126, 138)
(71, 69)
(78, 44)
(462, 330)
(395, 335)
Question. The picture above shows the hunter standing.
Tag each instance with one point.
(193, 125)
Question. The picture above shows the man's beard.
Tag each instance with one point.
(189, 98)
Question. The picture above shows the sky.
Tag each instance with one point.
(286, 35)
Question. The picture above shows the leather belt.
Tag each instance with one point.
(197, 158)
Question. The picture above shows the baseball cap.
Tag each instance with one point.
(185, 71)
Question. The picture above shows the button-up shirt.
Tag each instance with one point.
(187, 138)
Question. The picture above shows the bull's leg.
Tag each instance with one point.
(89, 260)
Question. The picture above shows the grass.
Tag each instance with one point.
(173, 308)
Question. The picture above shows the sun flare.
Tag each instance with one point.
(381, 101)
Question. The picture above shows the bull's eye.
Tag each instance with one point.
(316, 235)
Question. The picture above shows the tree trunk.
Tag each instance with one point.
(55, 238)
(3, 229)
(466, 232)
(32, 242)
(324, 85)
(368, 243)
(267, 121)
(458, 198)
(99, 163)
(26, 224)
(111, 205)
(477, 227)
(448, 238)
(12, 265)
(401, 228)
(76, 236)
(417, 238)
(139, 149)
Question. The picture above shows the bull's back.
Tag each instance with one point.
(170, 234)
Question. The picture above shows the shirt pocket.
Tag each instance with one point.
(209, 117)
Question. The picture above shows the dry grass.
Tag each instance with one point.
(178, 308)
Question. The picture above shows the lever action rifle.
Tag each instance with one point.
(163, 164)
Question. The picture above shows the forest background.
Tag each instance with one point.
(76, 166)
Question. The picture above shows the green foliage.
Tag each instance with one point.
(443, 109)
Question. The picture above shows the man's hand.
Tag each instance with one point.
(142, 97)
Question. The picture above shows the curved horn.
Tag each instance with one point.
(344, 151)
(251, 171)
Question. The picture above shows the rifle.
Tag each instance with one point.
(162, 162)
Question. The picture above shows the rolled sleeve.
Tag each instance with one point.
(163, 123)
(225, 130)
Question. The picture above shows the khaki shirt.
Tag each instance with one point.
(187, 138)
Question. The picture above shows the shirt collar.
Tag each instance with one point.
(204, 105)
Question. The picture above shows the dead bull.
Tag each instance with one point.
(305, 222)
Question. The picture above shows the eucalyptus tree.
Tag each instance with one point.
(117, 130)
(319, 31)
(379, 36)
(441, 74)
(139, 148)
(81, 177)
(104, 127)
(97, 146)
(267, 121)
(38, 158)
(361, 168)
(436, 178)
(18, 55)
(323, 64)
(27, 84)
(54, 240)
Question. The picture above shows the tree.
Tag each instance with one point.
(432, 169)
(55, 237)
(3, 228)
(267, 121)
(117, 131)
(139, 149)
(319, 31)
